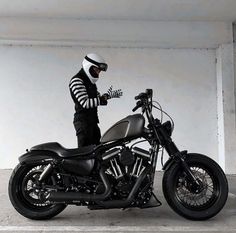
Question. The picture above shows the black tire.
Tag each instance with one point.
(27, 205)
(201, 204)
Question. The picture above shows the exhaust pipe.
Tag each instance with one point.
(75, 196)
(125, 203)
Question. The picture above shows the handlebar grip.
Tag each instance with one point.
(138, 105)
(135, 108)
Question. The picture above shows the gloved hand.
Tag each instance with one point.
(103, 99)
(114, 94)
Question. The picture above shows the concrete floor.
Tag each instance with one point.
(80, 219)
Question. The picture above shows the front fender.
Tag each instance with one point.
(36, 157)
(174, 159)
(168, 164)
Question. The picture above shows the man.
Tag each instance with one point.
(84, 93)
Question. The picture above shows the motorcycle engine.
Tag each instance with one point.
(125, 165)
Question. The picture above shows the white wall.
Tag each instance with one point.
(36, 106)
(234, 42)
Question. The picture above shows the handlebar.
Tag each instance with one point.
(138, 105)
(147, 94)
(142, 97)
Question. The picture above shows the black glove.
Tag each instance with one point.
(103, 99)
(114, 94)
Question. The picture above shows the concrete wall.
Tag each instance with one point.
(177, 59)
(226, 106)
(114, 33)
(36, 106)
(234, 41)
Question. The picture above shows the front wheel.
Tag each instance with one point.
(201, 202)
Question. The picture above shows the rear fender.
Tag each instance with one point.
(37, 156)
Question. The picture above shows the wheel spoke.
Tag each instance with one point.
(186, 191)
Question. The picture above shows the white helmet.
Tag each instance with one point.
(91, 60)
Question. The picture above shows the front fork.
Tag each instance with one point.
(180, 157)
(176, 155)
(164, 139)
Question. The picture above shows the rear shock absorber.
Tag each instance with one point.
(47, 170)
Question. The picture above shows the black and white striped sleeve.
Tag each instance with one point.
(78, 89)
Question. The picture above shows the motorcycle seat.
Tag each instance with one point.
(65, 152)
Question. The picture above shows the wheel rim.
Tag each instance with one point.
(30, 191)
(197, 198)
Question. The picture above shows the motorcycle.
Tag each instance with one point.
(115, 175)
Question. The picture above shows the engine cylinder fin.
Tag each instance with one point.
(139, 167)
(135, 166)
(113, 167)
(116, 168)
(143, 168)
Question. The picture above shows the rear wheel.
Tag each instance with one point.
(196, 202)
(28, 197)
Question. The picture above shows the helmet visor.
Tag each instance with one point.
(103, 66)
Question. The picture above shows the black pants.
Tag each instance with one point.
(87, 133)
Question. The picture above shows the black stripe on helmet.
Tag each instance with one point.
(102, 66)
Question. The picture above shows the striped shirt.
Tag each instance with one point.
(78, 88)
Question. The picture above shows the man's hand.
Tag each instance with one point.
(103, 99)
(114, 94)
